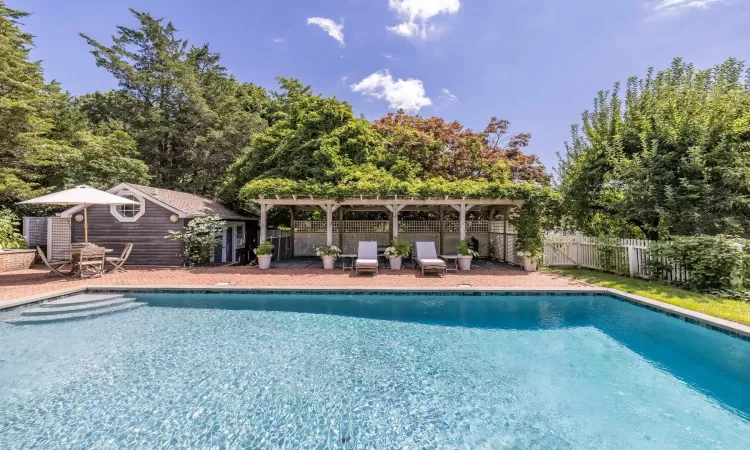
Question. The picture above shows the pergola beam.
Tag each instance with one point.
(301, 201)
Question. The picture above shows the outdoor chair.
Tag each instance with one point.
(427, 258)
(118, 261)
(367, 257)
(91, 258)
(53, 265)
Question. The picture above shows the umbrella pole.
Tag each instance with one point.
(85, 225)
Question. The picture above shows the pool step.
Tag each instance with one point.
(80, 299)
(76, 307)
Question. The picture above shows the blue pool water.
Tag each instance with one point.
(373, 371)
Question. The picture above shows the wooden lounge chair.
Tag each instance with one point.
(427, 258)
(53, 265)
(367, 257)
(91, 258)
(118, 261)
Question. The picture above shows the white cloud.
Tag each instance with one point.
(417, 14)
(335, 30)
(445, 100)
(677, 6)
(400, 94)
(387, 56)
(277, 40)
(448, 94)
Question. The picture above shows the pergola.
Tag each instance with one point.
(393, 204)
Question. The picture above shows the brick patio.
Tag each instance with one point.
(25, 283)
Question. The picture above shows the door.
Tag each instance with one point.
(229, 244)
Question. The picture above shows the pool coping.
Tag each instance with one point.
(697, 318)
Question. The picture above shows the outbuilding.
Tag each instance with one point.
(146, 224)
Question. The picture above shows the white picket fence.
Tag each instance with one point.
(623, 256)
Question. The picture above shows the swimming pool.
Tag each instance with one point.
(375, 371)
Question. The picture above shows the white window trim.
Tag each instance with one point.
(239, 236)
(141, 200)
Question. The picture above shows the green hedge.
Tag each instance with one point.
(718, 265)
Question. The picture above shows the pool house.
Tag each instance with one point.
(315, 222)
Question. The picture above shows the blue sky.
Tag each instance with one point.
(537, 63)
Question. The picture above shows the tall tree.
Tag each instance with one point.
(432, 147)
(189, 118)
(311, 137)
(45, 142)
(674, 160)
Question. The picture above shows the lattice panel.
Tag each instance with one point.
(366, 226)
(497, 226)
(314, 226)
(472, 226)
(419, 226)
(35, 230)
(58, 238)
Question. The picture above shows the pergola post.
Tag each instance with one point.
(263, 223)
(395, 209)
(329, 209)
(292, 226)
(341, 228)
(505, 233)
(442, 227)
(462, 209)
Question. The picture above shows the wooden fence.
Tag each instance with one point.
(621, 256)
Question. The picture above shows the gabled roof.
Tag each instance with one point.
(184, 204)
(190, 204)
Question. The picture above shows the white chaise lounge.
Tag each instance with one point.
(367, 257)
(427, 258)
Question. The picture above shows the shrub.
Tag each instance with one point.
(463, 248)
(199, 239)
(718, 265)
(328, 251)
(399, 248)
(9, 235)
(264, 249)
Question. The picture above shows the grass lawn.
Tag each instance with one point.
(734, 310)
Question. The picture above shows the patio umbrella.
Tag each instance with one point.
(80, 195)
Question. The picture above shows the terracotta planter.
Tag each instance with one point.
(395, 263)
(328, 262)
(529, 264)
(464, 262)
(264, 261)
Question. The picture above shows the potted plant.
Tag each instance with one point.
(264, 252)
(399, 249)
(529, 262)
(465, 254)
(329, 254)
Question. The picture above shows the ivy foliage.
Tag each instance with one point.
(718, 265)
(670, 156)
(199, 239)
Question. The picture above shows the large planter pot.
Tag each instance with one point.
(395, 263)
(264, 261)
(464, 262)
(529, 264)
(328, 262)
(11, 260)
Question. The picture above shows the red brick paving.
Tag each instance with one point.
(24, 283)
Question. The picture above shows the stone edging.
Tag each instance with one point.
(714, 323)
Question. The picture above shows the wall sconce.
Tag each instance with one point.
(173, 218)
(79, 218)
